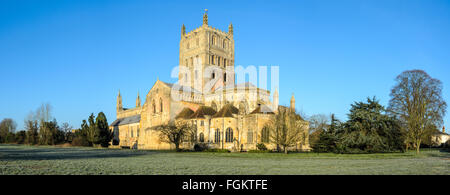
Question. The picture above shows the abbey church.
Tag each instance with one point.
(226, 115)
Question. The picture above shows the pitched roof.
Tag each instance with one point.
(263, 109)
(202, 111)
(127, 120)
(185, 114)
(238, 86)
(227, 111)
(183, 88)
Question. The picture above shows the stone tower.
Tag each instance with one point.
(293, 103)
(119, 102)
(206, 57)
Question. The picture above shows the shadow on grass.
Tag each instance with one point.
(14, 153)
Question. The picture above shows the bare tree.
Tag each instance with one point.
(319, 122)
(417, 101)
(7, 127)
(176, 132)
(286, 128)
(66, 127)
(44, 116)
(43, 113)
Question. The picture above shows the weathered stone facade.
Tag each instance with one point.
(227, 115)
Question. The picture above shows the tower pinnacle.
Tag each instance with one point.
(183, 30)
(119, 102)
(292, 102)
(275, 100)
(205, 17)
(230, 29)
(138, 101)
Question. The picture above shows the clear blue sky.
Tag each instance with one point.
(76, 55)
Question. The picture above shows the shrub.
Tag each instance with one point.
(200, 147)
(10, 138)
(20, 137)
(218, 150)
(261, 146)
(80, 141)
(259, 151)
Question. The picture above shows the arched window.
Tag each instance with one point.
(212, 59)
(229, 135)
(202, 137)
(265, 135)
(225, 77)
(250, 137)
(214, 106)
(161, 105)
(154, 106)
(217, 136)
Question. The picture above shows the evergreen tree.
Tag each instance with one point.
(369, 129)
(327, 141)
(91, 130)
(103, 135)
(21, 137)
(80, 136)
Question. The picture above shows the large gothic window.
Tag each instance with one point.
(265, 134)
(217, 136)
(242, 108)
(229, 135)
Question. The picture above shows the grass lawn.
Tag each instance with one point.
(20, 159)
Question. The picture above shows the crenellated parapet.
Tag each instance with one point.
(200, 28)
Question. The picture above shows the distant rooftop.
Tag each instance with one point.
(127, 120)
